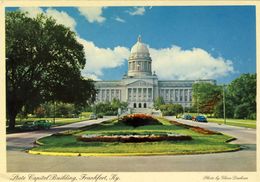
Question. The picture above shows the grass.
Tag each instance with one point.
(58, 121)
(235, 122)
(200, 144)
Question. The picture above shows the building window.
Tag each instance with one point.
(144, 105)
(134, 105)
(140, 105)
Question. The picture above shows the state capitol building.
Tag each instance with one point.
(140, 86)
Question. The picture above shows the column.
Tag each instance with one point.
(146, 94)
(109, 94)
(132, 94)
(180, 95)
(152, 94)
(183, 95)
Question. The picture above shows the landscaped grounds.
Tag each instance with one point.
(135, 134)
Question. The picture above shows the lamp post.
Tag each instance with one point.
(224, 104)
(54, 114)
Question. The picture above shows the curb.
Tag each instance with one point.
(71, 154)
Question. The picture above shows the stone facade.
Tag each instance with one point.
(140, 87)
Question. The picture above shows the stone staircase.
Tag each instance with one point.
(142, 110)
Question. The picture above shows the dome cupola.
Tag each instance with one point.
(139, 47)
(139, 62)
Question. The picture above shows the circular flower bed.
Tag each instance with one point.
(136, 120)
(133, 138)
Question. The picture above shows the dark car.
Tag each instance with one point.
(187, 117)
(28, 126)
(42, 124)
(201, 119)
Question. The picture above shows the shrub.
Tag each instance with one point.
(136, 120)
(134, 138)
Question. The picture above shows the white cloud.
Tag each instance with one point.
(91, 76)
(175, 63)
(137, 11)
(32, 11)
(92, 14)
(98, 59)
(61, 17)
(120, 19)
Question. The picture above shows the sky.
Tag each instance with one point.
(185, 42)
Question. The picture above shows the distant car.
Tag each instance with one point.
(28, 126)
(187, 117)
(93, 116)
(201, 119)
(42, 124)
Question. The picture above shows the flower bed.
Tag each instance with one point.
(196, 128)
(136, 120)
(133, 138)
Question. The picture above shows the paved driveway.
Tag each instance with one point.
(243, 160)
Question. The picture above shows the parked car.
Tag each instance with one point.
(28, 126)
(42, 124)
(201, 119)
(187, 116)
(93, 116)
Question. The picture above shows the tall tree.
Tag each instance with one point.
(206, 96)
(242, 92)
(43, 63)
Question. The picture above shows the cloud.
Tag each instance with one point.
(98, 59)
(61, 17)
(137, 11)
(179, 64)
(91, 76)
(120, 19)
(92, 14)
(32, 11)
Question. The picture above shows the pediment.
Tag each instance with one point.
(139, 83)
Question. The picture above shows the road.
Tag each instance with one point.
(243, 160)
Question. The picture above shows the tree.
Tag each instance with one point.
(206, 96)
(171, 109)
(109, 108)
(158, 102)
(242, 92)
(43, 63)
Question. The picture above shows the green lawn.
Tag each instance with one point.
(235, 122)
(201, 143)
(58, 121)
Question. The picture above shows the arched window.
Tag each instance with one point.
(144, 105)
(134, 105)
(140, 105)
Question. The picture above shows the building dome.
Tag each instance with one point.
(139, 47)
(139, 63)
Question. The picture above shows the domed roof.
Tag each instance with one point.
(139, 47)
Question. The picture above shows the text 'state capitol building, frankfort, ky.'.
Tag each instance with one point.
(140, 86)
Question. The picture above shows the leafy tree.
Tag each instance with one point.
(158, 102)
(43, 63)
(218, 110)
(171, 109)
(109, 108)
(240, 98)
(242, 91)
(206, 96)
